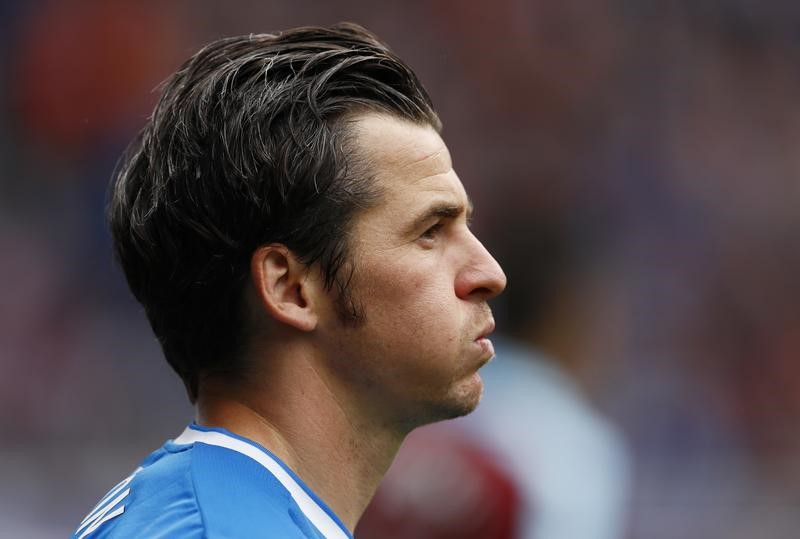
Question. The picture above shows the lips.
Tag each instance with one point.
(487, 330)
(487, 348)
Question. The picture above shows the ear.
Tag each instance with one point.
(284, 287)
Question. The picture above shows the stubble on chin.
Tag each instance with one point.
(460, 402)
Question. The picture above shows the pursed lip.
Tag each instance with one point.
(482, 340)
(487, 330)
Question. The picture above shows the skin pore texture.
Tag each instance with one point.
(335, 399)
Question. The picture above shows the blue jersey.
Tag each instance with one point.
(210, 483)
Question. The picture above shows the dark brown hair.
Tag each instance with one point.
(249, 145)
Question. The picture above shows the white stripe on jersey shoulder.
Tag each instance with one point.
(316, 514)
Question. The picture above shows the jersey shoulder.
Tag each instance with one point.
(197, 491)
(156, 500)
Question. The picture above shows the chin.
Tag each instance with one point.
(461, 401)
(468, 404)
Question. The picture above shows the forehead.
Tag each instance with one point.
(393, 142)
(410, 162)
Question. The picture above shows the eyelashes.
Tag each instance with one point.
(431, 232)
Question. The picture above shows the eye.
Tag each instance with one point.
(431, 232)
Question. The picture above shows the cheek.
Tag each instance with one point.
(419, 305)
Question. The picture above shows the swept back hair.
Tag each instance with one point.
(249, 144)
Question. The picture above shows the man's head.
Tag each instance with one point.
(249, 144)
(257, 160)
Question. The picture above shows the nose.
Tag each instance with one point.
(481, 277)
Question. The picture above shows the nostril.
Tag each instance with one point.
(484, 292)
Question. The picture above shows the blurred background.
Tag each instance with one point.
(634, 168)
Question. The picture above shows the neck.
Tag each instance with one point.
(297, 413)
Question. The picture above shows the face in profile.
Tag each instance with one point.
(422, 281)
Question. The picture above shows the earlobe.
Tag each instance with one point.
(283, 288)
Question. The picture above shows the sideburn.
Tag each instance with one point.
(350, 310)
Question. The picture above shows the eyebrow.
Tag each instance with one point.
(441, 210)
